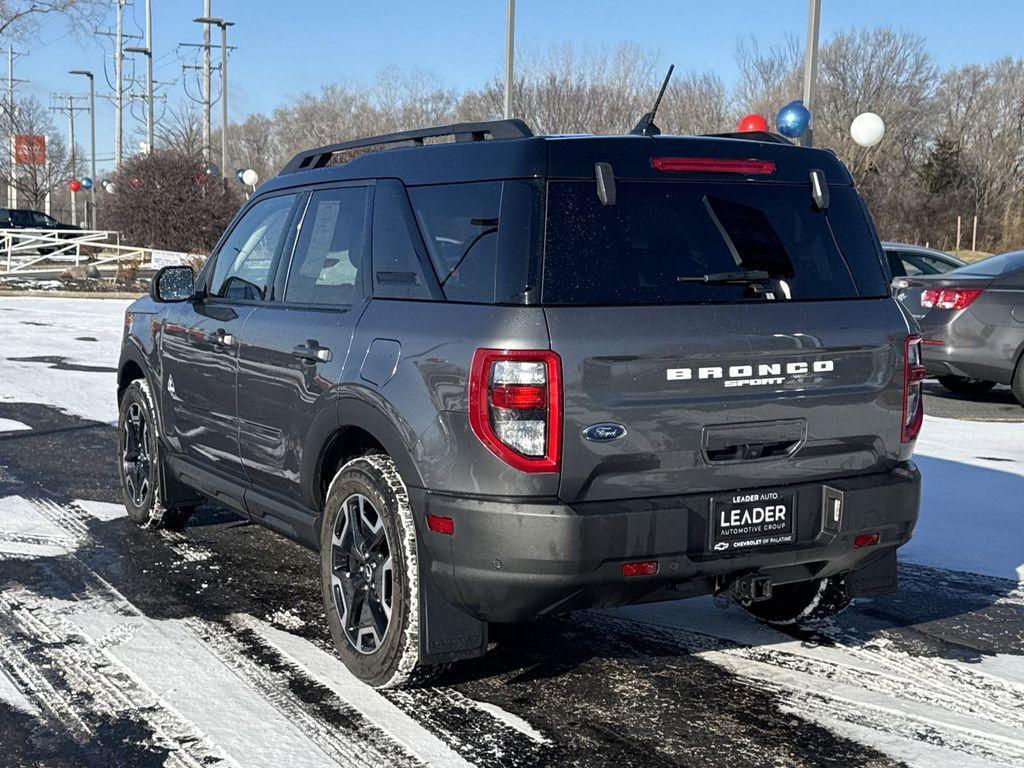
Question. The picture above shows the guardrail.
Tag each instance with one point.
(28, 251)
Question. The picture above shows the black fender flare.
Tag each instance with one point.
(367, 410)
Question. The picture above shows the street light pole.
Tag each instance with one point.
(811, 65)
(71, 141)
(510, 34)
(92, 140)
(207, 20)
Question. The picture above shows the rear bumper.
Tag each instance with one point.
(511, 560)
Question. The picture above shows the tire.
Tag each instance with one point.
(805, 602)
(1018, 382)
(370, 573)
(960, 385)
(138, 461)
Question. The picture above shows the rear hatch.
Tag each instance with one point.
(676, 386)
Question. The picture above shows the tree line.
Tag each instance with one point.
(954, 142)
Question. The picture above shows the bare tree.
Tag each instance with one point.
(180, 131)
(32, 181)
(20, 18)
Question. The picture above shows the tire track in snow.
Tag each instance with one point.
(276, 679)
(465, 729)
(820, 684)
(85, 688)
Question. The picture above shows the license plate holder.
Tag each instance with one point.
(752, 520)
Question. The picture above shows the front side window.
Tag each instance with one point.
(242, 268)
(331, 251)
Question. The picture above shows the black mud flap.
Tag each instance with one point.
(875, 578)
(446, 633)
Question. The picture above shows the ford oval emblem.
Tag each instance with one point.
(604, 432)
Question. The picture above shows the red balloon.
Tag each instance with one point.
(136, 181)
(752, 123)
(74, 185)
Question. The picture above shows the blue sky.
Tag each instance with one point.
(285, 48)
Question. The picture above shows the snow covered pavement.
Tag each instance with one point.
(207, 647)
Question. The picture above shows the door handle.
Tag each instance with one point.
(220, 338)
(312, 352)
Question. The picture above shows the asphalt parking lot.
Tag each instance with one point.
(998, 404)
(207, 647)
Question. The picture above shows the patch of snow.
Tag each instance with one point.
(45, 326)
(972, 518)
(10, 425)
(513, 721)
(190, 681)
(329, 671)
(9, 694)
(286, 619)
(24, 530)
(102, 510)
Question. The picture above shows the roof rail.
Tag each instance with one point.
(492, 129)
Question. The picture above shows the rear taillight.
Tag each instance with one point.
(714, 165)
(515, 406)
(913, 401)
(949, 298)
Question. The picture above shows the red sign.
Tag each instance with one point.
(29, 149)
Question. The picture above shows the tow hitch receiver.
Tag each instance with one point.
(751, 588)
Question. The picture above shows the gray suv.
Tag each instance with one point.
(491, 376)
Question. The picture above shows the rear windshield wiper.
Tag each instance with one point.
(747, 277)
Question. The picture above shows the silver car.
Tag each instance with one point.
(972, 321)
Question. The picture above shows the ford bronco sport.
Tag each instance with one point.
(491, 375)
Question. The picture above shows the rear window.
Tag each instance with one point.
(636, 251)
(994, 266)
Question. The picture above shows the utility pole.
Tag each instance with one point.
(147, 51)
(119, 85)
(510, 35)
(811, 65)
(12, 190)
(223, 83)
(92, 141)
(207, 13)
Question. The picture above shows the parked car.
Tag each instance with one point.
(913, 260)
(24, 218)
(972, 321)
(509, 375)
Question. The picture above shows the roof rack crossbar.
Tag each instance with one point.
(493, 129)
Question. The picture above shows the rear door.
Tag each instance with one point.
(296, 346)
(716, 386)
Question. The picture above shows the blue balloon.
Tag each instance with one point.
(793, 119)
(86, 183)
(238, 175)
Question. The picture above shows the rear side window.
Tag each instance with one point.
(483, 238)
(331, 249)
(459, 224)
(636, 251)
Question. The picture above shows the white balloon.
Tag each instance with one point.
(867, 129)
(250, 177)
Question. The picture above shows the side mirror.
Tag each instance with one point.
(177, 283)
